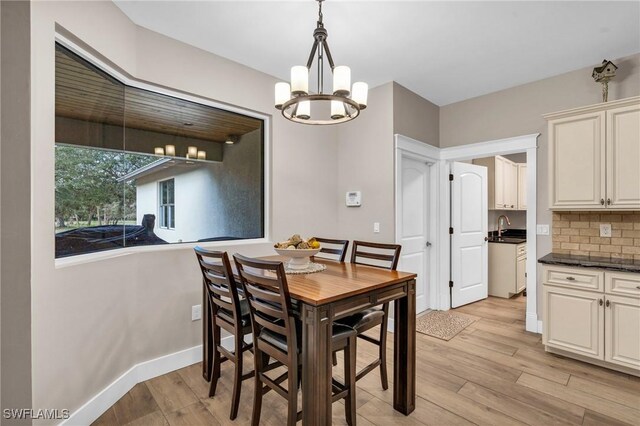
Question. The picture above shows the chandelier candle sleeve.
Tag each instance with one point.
(158, 150)
(299, 80)
(341, 80)
(192, 152)
(202, 155)
(170, 150)
(283, 93)
(359, 93)
(337, 110)
(304, 110)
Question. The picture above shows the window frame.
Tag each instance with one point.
(171, 206)
(89, 54)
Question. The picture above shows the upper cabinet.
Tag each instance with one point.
(505, 185)
(594, 157)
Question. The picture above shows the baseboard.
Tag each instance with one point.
(532, 323)
(146, 370)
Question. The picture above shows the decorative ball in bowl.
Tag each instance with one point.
(298, 258)
(298, 250)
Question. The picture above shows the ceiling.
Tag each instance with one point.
(444, 51)
(85, 93)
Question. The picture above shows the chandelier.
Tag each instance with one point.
(298, 104)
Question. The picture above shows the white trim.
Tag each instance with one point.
(532, 240)
(82, 50)
(490, 148)
(140, 372)
(411, 148)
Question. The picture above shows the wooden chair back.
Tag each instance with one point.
(337, 249)
(218, 279)
(265, 287)
(383, 255)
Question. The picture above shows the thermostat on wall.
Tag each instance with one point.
(354, 199)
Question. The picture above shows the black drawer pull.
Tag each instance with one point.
(570, 279)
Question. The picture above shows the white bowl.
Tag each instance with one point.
(298, 259)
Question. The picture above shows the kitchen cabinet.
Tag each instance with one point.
(593, 314)
(594, 154)
(503, 182)
(522, 186)
(507, 269)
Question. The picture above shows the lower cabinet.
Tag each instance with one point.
(507, 269)
(594, 321)
(622, 332)
(574, 321)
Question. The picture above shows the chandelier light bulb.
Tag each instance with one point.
(341, 80)
(299, 80)
(283, 93)
(304, 110)
(359, 93)
(337, 110)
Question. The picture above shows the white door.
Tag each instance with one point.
(413, 229)
(469, 248)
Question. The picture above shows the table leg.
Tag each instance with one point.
(207, 336)
(404, 354)
(316, 365)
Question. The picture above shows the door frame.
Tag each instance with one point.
(440, 256)
(409, 148)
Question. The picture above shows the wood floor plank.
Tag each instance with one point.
(494, 345)
(615, 394)
(584, 399)
(512, 407)
(136, 403)
(591, 418)
(171, 392)
(108, 418)
(152, 419)
(192, 415)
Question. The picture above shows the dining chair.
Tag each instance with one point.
(381, 256)
(226, 311)
(277, 334)
(337, 249)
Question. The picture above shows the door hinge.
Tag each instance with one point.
(450, 177)
(450, 231)
(450, 284)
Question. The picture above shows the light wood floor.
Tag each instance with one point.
(492, 373)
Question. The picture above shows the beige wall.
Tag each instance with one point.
(95, 320)
(415, 117)
(518, 111)
(15, 245)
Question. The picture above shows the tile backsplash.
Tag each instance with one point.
(579, 233)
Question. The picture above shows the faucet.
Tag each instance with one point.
(500, 230)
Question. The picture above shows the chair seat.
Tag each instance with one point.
(363, 320)
(245, 320)
(339, 332)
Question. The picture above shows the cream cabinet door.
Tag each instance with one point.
(522, 186)
(622, 334)
(510, 185)
(574, 321)
(577, 162)
(623, 158)
(499, 192)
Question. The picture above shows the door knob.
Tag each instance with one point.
(428, 244)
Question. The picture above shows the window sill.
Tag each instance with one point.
(112, 254)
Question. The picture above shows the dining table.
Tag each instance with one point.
(319, 299)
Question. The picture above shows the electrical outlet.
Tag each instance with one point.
(376, 227)
(605, 230)
(542, 229)
(196, 312)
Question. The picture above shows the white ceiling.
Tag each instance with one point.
(444, 51)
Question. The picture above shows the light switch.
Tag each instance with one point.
(605, 230)
(542, 229)
(376, 227)
(196, 312)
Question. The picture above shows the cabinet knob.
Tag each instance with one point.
(570, 279)
(608, 201)
(607, 304)
(602, 201)
(600, 302)
(512, 206)
(638, 287)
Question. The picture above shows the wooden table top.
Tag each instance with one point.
(339, 281)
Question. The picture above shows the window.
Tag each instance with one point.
(167, 206)
(124, 155)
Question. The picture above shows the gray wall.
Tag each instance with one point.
(518, 111)
(415, 117)
(15, 227)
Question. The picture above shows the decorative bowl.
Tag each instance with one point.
(298, 259)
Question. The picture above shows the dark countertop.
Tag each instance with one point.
(509, 236)
(591, 262)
